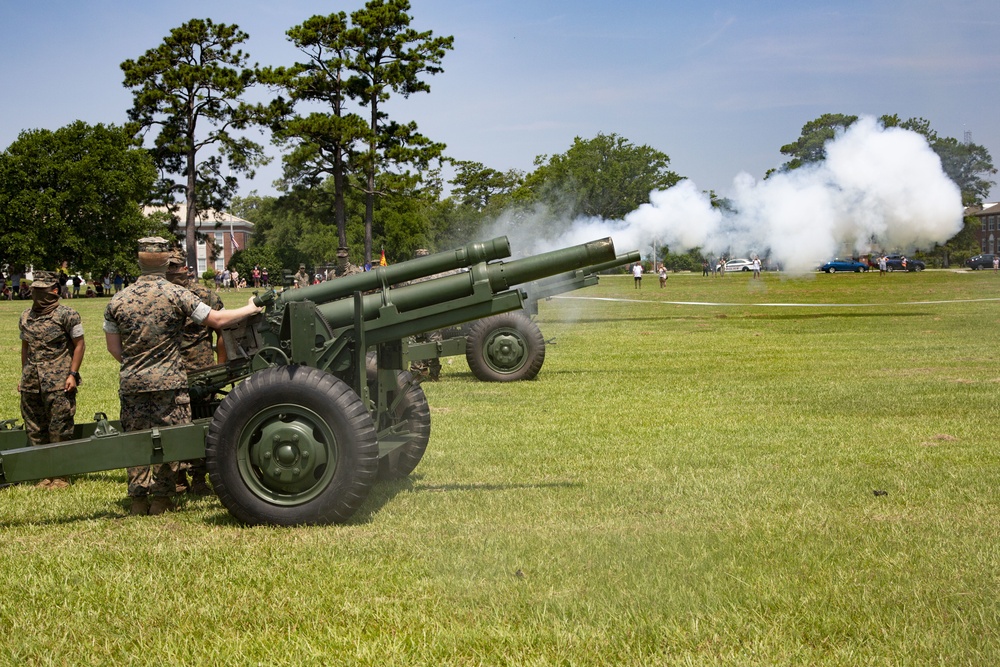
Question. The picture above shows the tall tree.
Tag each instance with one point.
(391, 58)
(607, 176)
(322, 141)
(74, 194)
(190, 88)
(811, 144)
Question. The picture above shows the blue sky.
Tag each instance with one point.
(719, 87)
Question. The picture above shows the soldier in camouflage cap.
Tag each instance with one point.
(143, 329)
(52, 348)
(198, 352)
(343, 267)
(302, 277)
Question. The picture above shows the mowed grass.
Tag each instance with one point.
(683, 484)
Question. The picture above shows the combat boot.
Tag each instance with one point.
(160, 504)
(59, 483)
(140, 506)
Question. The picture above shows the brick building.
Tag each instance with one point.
(989, 232)
(224, 235)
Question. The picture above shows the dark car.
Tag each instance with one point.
(980, 262)
(895, 263)
(837, 264)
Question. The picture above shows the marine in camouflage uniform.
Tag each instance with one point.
(143, 326)
(197, 353)
(343, 267)
(52, 349)
(427, 369)
(302, 277)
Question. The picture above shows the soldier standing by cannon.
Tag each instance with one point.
(302, 277)
(52, 348)
(143, 326)
(197, 352)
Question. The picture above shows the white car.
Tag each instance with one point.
(739, 265)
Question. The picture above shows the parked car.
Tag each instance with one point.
(838, 264)
(895, 263)
(980, 262)
(739, 265)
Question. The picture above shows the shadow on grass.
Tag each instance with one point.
(441, 488)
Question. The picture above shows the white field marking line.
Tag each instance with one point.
(777, 305)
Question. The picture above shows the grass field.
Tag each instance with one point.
(683, 484)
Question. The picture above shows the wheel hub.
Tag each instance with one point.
(288, 455)
(505, 351)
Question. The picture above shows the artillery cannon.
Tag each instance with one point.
(305, 425)
(510, 347)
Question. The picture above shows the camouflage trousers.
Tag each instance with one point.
(48, 416)
(427, 368)
(151, 409)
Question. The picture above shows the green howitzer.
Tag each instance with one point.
(510, 347)
(314, 404)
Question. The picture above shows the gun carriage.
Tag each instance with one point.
(314, 404)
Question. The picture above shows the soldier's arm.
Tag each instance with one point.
(114, 343)
(24, 360)
(220, 319)
(79, 346)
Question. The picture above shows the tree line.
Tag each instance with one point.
(352, 175)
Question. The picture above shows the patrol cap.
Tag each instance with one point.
(342, 252)
(45, 279)
(154, 244)
(302, 267)
(421, 252)
(177, 258)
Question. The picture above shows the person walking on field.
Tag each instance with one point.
(143, 327)
(52, 348)
(637, 274)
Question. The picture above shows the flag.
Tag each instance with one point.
(232, 238)
(382, 261)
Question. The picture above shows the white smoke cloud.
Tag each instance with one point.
(878, 189)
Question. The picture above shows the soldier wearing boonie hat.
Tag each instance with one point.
(143, 327)
(52, 349)
(198, 352)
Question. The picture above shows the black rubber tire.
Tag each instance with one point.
(505, 348)
(312, 428)
(412, 408)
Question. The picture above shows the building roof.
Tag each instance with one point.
(989, 208)
(209, 219)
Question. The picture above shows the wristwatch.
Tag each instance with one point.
(76, 376)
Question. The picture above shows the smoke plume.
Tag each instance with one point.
(879, 189)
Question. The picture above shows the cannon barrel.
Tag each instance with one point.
(624, 258)
(381, 277)
(497, 277)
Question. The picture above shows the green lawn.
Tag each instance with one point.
(683, 484)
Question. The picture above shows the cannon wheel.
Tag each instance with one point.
(292, 445)
(409, 408)
(505, 348)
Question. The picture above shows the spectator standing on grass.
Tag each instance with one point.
(637, 275)
(756, 268)
(882, 262)
(143, 328)
(704, 267)
(118, 282)
(52, 348)
(265, 278)
(662, 272)
(77, 281)
(996, 263)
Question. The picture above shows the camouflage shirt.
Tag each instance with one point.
(301, 279)
(150, 315)
(50, 348)
(196, 343)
